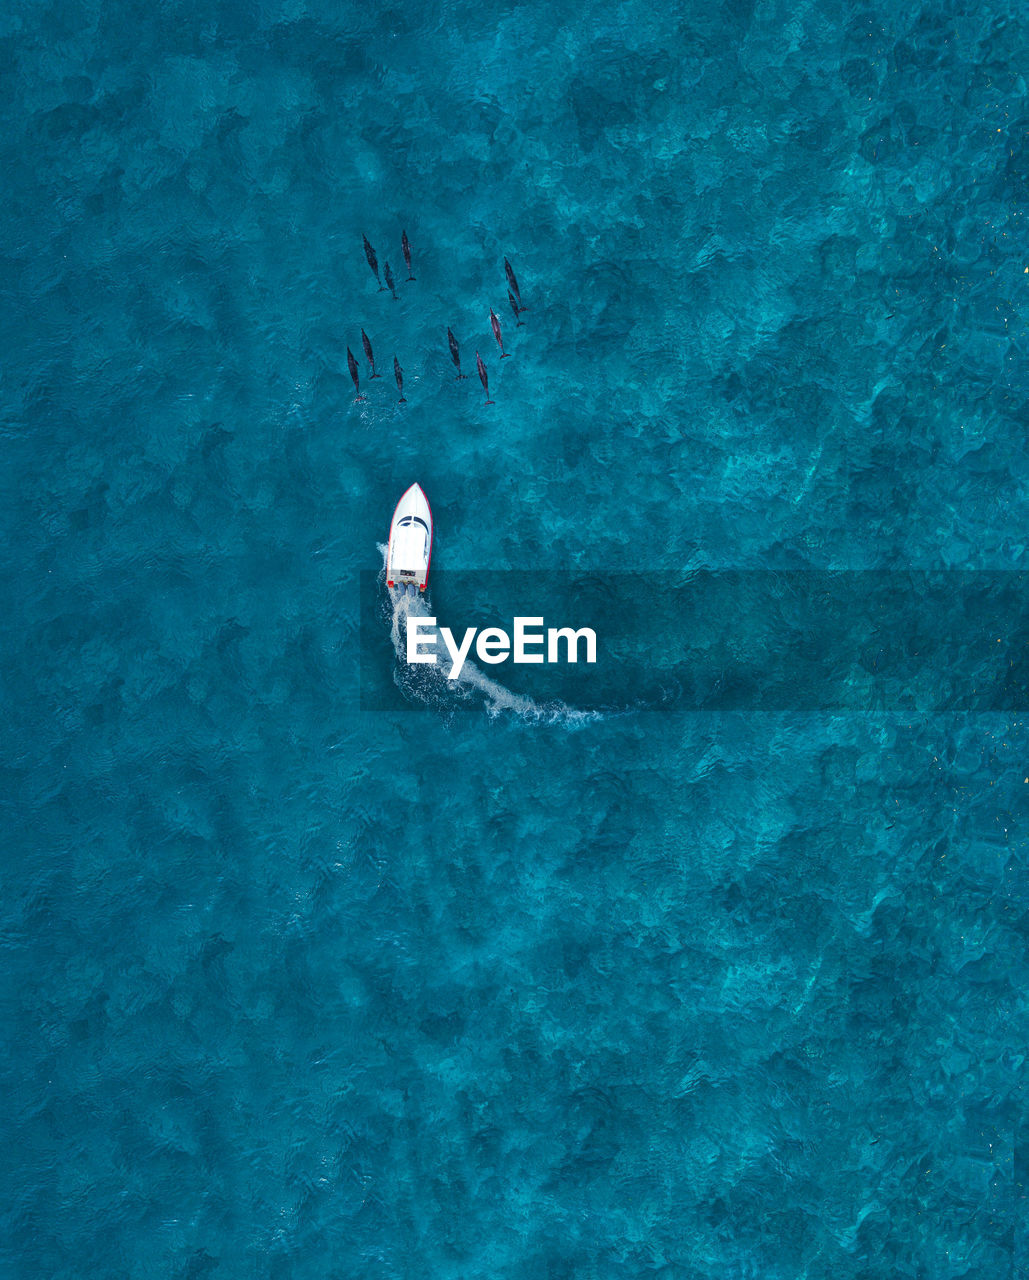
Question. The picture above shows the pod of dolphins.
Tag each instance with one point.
(514, 297)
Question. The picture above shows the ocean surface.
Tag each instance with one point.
(310, 971)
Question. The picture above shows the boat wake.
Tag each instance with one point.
(428, 683)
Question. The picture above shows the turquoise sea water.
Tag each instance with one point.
(292, 987)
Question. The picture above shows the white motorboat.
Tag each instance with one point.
(410, 541)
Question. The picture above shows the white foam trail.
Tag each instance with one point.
(429, 683)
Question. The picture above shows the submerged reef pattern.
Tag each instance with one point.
(294, 989)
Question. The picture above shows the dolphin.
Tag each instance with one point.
(496, 333)
(398, 373)
(514, 285)
(389, 280)
(514, 307)
(405, 244)
(373, 261)
(368, 353)
(455, 354)
(352, 366)
(482, 377)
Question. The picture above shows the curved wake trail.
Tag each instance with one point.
(429, 683)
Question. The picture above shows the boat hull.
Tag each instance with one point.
(410, 541)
